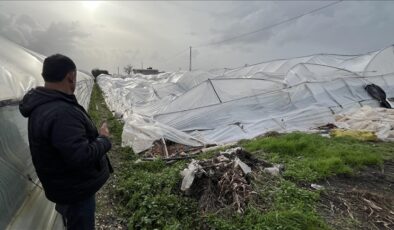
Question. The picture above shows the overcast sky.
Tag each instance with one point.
(112, 34)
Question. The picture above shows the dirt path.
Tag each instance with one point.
(107, 217)
(106, 214)
(363, 201)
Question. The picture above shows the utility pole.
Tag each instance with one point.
(190, 61)
(118, 70)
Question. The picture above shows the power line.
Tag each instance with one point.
(255, 31)
(175, 55)
(271, 26)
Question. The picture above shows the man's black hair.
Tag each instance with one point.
(56, 67)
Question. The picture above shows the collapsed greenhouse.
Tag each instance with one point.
(226, 105)
(196, 108)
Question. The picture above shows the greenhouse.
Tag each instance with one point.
(22, 201)
(196, 108)
(222, 106)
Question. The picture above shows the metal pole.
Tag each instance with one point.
(190, 61)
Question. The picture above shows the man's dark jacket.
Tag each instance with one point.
(68, 154)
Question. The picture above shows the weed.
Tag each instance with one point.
(310, 157)
(148, 193)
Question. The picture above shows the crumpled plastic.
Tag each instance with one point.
(189, 174)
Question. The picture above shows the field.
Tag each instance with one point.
(326, 183)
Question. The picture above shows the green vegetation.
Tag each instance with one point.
(148, 193)
(150, 196)
(99, 113)
(311, 157)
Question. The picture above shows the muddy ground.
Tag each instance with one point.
(362, 201)
(106, 215)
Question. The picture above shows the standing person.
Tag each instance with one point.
(68, 153)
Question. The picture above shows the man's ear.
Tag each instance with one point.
(70, 77)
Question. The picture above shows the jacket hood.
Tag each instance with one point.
(39, 96)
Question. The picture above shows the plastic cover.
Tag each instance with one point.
(221, 106)
(369, 119)
(23, 204)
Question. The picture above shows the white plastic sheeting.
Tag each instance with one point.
(377, 120)
(221, 106)
(22, 204)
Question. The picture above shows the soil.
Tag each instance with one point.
(362, 201)
(106, 214)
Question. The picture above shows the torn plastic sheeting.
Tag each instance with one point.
(328, 94)
(209, 117)
(188, 174)
(276, 170)
(238, 110)
(245, 168)
(204, 92)
(123, 95)
(203, 113)
(376, 120)
(297, 120)
(143, 131)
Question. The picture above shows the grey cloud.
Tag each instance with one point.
(25, 20)
(251, 17)
(59, 37)
(25, 31)
(354, 26)
(17, 28)
(122, 33)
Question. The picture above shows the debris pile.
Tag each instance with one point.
(165, 148)
(222, 182)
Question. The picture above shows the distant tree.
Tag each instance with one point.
(127, 69)
(96, 72)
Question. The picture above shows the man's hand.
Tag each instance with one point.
(103, 131)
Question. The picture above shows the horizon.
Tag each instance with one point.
(224, 34)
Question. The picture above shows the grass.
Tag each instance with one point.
(311, 157)
(148, 193)
(99, 113)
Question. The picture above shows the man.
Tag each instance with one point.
(68, 152)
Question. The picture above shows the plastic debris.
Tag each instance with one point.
(380, 121)
(275, 170)
(245, 168)
(188, 174)
(317, 187)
